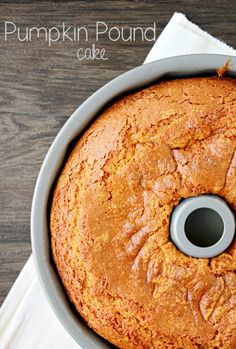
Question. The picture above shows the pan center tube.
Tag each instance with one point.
(202, 226)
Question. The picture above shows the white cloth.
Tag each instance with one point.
(182, 37)
(26, 319)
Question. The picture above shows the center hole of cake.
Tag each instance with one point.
(204, 227)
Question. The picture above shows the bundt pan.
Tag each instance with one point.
(180, 66)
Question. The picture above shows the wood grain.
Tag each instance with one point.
(40, 86)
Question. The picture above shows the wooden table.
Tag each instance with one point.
(40, 86)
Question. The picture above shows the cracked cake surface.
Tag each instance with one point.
(111, 209)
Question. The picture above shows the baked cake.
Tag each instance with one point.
(111, 209)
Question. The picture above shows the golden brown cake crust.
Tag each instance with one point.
(111, 210)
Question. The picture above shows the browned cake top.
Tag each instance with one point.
(111, 211)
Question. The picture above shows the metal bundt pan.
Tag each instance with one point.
(180, 66)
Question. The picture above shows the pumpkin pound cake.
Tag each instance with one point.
(111, 211)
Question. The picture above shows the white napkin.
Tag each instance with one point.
(26, 319)
(182, 37)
